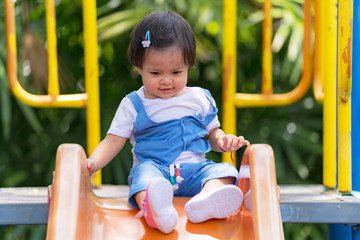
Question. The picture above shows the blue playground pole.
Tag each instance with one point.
(356, 232)
(355, 100)
(355, 110)
(339, 232)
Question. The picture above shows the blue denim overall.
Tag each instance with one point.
(157, 145)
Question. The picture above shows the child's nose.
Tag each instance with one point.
(166, 80)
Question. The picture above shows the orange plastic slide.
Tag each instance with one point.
(75, 212)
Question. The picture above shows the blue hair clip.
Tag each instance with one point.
(146, 42)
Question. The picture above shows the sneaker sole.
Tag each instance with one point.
(220, 203)
(160, 195)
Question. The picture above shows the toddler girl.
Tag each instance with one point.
(171, 127)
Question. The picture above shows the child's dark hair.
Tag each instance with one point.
(166, 29)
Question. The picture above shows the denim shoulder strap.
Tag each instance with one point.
(135, 99)
(208, 96)
(208, 118)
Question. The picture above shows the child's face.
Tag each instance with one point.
(164, 73)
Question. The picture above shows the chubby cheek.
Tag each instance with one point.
(149, 83)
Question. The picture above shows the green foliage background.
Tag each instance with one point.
(29, 136)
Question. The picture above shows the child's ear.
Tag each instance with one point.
(138, 69)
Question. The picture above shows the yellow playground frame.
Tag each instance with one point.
(325, 62)
(89, 99)
(326, 27)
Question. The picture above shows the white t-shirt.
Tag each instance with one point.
(194, 102)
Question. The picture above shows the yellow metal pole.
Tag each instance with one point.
(267, 83)
(53, 83)
(64, 101)
(318, 85)
(344, 94)
(92, 79)
(256, 100)
(229, 70)
(327, 65)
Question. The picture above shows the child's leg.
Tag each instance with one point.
(156, 204)
(153, 194)
(216, 183)
(139, 197)
(139, 178)
(219, 198)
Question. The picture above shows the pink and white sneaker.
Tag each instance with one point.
(158, 208)
(218, 203)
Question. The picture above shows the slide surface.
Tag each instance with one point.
(75, 212)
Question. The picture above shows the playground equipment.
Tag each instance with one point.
(77, 213)
(89, 99)
(312, 204)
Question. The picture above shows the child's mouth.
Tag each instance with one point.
(166, 89)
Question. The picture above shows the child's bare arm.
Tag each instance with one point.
(107, 149)
(220, 142)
